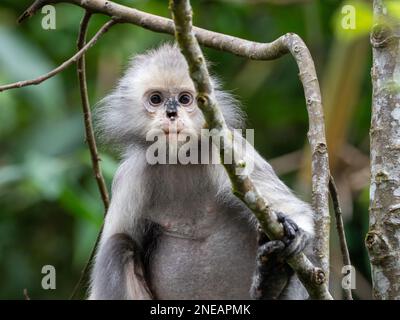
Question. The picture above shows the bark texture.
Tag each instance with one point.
(383, 238)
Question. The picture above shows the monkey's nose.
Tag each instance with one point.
(171, 108)
(172, 115)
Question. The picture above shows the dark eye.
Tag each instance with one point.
(185, 99)
(156, 99)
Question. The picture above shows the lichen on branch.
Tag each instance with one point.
(383, 238)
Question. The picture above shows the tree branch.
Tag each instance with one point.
(90, 137)
(313, 278)
(91, 140)
(237, 46)
(340, 230)
(383, 237)
(64, 65)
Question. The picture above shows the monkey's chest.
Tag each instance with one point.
(218, 266)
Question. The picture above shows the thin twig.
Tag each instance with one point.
(340, 230)
(312, 278)
(90, 137)
(64, 65)
(91, 140)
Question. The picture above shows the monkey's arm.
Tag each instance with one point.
(277, 195)
(119, 273)
(273, 277)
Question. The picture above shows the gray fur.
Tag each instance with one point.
(207, 246)
(124, 255)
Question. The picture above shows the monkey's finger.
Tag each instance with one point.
(296, 245)
(268, 249)
(261, 236)
(290, 228)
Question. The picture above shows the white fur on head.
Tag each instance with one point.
(121, 118)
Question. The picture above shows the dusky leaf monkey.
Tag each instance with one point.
(176, 231)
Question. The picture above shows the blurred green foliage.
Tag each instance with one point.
(50, 209)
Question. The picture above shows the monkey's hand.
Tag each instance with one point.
(272, 273)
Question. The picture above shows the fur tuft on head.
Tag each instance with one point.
(121, 118)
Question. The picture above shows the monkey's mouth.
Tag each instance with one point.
(169, 131)
(172, 128)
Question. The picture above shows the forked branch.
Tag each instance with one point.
(91, 140)
(64, 65)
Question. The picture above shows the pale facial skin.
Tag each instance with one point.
(171, 110)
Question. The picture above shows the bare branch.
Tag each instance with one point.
(64, 65)
(91, 140)
(313, 278)
(237, 46)
(383, 238)
(340, 230)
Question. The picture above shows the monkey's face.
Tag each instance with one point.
(156, 94)
(171, 110)
(166, 97)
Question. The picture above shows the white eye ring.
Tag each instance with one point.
(185, 98)
(156, 99)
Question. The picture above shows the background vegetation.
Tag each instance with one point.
(50, 209)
